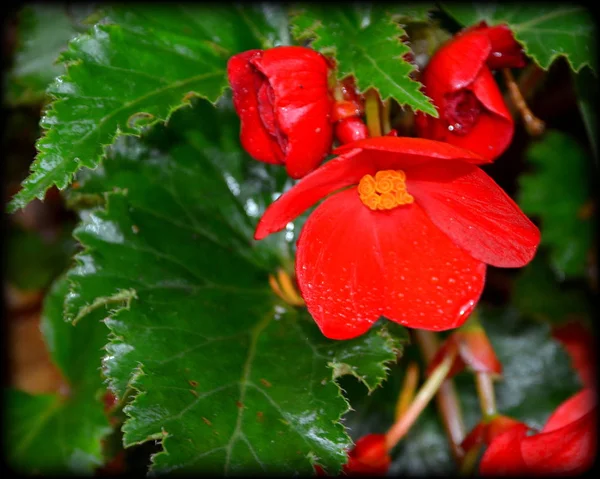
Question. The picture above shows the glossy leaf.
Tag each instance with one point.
(365, 42)
(62, 433)
(558, 191)
(545, 31)
(537, 377)
(229, 379)
(134, 69)
(43, 32)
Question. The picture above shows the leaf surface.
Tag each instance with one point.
(62, 433)
(558, 191)
(229, 378)
(132, 70)
(365, 42)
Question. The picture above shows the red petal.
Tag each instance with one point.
(503, 456)
(506, 52)
(474, 212)
(571, 410)
(345, 170)
(579, 342)
(402, 152)
(356, 160)
(568, 450)
(354, 265)
(245, 83)
(456, 64)
(302, 104)
(369, 456)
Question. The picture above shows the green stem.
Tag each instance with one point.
(372, 107)
(385, 117)
(487, 397)
(427, 391)
(446, 399)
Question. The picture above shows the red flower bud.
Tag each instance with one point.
(368, 457)
(486, 432)
(283, 101)
(351, 129)
(474, 351)
(565, 446)
(472, 113)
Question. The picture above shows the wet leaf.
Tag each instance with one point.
(227, 377)
(62, 433)
(365, 42)
(148, 60)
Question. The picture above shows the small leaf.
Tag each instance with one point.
(558, 191)
(545, 31)
(365, 41)
(43, 32)
(149, 59)
(62, 433)
(225, 376)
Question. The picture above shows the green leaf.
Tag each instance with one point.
(227, 377)
(43, 32)
(586, 87)
(134, 69)
(62, 433)
(33, 261)
(537, 377)
(537, 293)
(365, 41)
(545, 31)
(558, 191)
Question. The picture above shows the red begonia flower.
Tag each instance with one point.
(565, 446)
(472, 113)
(578, 340)
(369, 456)
(282, 98)
(407, 238)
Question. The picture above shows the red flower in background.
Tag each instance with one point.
(472, 113)
(407, 238)
(369, 456)
(579, 342)
(565, 446)
(284, 104)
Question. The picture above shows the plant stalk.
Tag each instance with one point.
(447, 399)
(372, 112)
(427, 391)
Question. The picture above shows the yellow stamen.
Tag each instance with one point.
(384, 192)
(285, 288)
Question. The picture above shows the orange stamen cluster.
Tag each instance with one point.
(384, 192)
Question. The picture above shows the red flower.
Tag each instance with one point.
(407, 238)
(565, 446)
(579, 342)
(283, 101)
(368, 457)
(472, 113)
